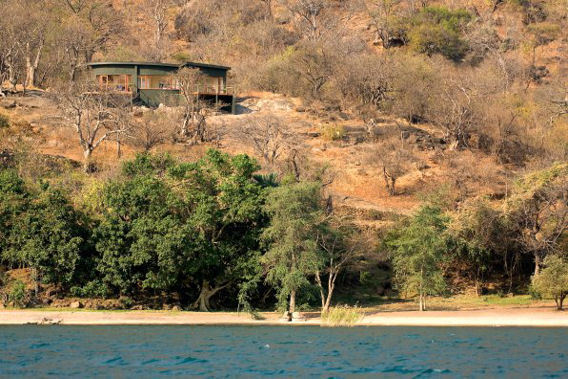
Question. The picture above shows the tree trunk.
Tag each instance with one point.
(74, 64)
(185, 125)
(421, 296)
(292, 307)
(559, 300)
(203, 301)
(30, 74)
(119, 146)
(327, 303)
(12, 75)
(36, 281)
(31, 67)
(326, 299)
(536, 264)
(390, 182)
(322, 293)
(87, 160)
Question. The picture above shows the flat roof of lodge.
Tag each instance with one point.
(192, 64)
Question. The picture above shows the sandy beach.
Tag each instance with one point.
(527, 317)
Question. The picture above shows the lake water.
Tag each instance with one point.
(229, 351)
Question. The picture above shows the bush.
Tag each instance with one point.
(342, 316)
(438, 30)
(94, 289)
(17, 294)
(333, 132)
(552, 281)
(4, 121)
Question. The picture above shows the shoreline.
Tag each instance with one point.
(508, 317)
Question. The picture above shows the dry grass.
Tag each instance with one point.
(459, 302)
(342, 315)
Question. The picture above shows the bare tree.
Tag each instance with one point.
(154, 128)
(313, 64)
(268, 6)
(197, 110)
(87, 28)
(96, 115)
(11, 41)
(24, 30)
(539, 206)
(383, 13)
(160, 16)
(309, 14)
(395, 160)
(559, 101)
(269, 136)
(454, 106)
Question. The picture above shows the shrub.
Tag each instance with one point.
(333, 132)
(552, 281)
(342, 316)
(17, 294)
(94, 289)
(4, 121)
(438, 30)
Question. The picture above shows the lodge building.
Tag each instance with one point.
(153, 84)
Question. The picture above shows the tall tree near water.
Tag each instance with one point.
(295, 212)
(417, 249)
(341, 243)
(552, 281)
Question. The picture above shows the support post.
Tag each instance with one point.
(135, 82)
(234, 103)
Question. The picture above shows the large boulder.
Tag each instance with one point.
(76, 305)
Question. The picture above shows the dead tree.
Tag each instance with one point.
(194, 121)
(154, 128)
(309, 15)
(159, 14)
(95, 114)
(269, 137)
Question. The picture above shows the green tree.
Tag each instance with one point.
(341, 243)
(538, 206)
(223, 210)
(171, 227)
(39, 230)
(438, 30)
(480, 232)
(136, 235)
(552, 281)
(49, 238)
(418, 250)
(14, 201)
(295, 212)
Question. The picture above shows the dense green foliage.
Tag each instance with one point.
(552, 282)
(418, 251)
(40, 229)
(168, 227)
(213, 233)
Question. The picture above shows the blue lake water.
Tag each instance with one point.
(229, 351)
